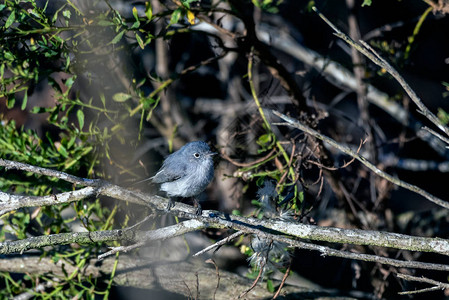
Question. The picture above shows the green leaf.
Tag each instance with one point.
(66, 13)
(25, 100)
(105, 23)
(148, 10)
(62, 150)
(38, 110)
(135, 25)
(10, 102)
(139, 41)
(301, 196)
(175, 17)
(236, 212)
(80, 116)
(367, 3)
(135, 13)
(264, 139)
(270, 286)
(11, 19)
(69, 82)
(118, 37)
(121, 97)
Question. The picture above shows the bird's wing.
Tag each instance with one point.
(171, 170)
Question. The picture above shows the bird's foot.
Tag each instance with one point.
(170, 204)
(199, 210)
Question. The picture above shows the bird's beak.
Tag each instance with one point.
(212, 153)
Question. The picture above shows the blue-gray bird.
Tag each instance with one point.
(186, 172)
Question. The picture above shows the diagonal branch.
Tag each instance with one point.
(8, 164)
(370, 53)
(294, 123)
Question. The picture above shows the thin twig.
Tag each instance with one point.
(437, 284)
(120, 249)
(8, 164)
(369, 52)
(158, 234)
(294, 123)
(221, 242)
(244, 165)
(254, 283)
(284, 278)
(444, 139)
(211, 261)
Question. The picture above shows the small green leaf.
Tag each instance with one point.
(175, 16)
(24, 101)
(66, 13)
(367, 3)
(8, 55)
(264, 139)
(69, 82)
(148, 10)
(80, 116)
(121, 97)
(11, 19)
(135, 13)
(71, 142)
(10, 102)
(103, 100)
(270, 286)
(62, 150)
(150, 37)
(301, 196)
(139, 41)
(118, 37)
(105, 23)
(135, 25)
(38, 110)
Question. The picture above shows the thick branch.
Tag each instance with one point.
(273, 229)
(37, 242)
(171, 276)
(10, 202)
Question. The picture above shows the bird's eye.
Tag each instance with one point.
(196, 154)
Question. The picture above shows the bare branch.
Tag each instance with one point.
(159, 234)
(219, 243)
(294, 123)
(8, 164)
(370, 53)
(444, 139)
(437, 284)
(10, 202)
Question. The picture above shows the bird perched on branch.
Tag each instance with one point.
(186, 173)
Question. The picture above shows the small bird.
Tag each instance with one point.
(186, 172)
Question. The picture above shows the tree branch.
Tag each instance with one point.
(286, 232)
(148, 273)
(370, 53)
(294, 123)
(437, 284)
